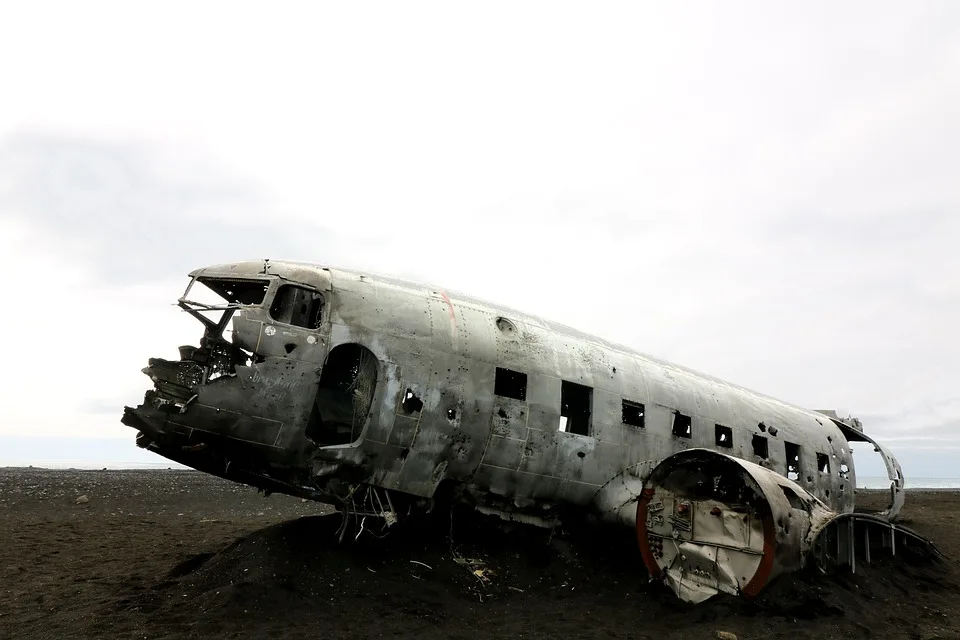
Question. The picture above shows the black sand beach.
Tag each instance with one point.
(178, 554)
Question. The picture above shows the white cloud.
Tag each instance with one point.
(763, 192)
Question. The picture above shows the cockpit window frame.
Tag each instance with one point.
(200, 310)
(320, 313)
(237, 300)
(268, 286)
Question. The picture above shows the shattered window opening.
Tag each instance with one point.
(411, 403)
(760, 447)
(682, 426)
(793, 460)
(823, 463)
(632, 413)
(211, 304)
(724, 436)
(237, 291)
(575, 406)
(215, 302)
(510, 384)
(298, 306)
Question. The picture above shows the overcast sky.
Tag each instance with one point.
(770, 194)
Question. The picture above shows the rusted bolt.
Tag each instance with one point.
(716, 511)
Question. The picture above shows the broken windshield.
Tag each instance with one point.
(237, 291)
(214, 301)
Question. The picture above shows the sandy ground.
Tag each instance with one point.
(177, 554)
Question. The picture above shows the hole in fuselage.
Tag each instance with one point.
(411, 403)
(348, 382)
(792, 497)
(505, 325)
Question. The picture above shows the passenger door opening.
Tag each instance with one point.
(347, 385)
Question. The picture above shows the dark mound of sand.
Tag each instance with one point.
(430, 570)
(442, 572)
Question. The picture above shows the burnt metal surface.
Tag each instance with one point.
(334, 383)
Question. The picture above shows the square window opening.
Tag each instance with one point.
(793, 460)
(633, 414)
(724, 436)
(682, 426)
(510, 384)
(823, 463)
(576, 403)
(760, 447)
(298, 306)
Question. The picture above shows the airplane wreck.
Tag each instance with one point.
(384, 397)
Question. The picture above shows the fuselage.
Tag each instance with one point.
(335, 379)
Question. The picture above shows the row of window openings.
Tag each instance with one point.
(723, 438)
(575, 401)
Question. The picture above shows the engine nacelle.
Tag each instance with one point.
(710, 523)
